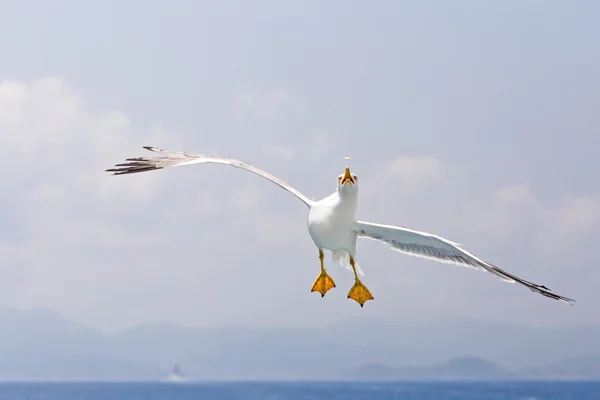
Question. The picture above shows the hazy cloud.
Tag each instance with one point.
(414, 173)
(74, 216)
(261, 104)
(485, 151)
(515, 194)
(277, 151)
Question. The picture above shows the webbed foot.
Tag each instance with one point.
(360, 293)
(323, 283)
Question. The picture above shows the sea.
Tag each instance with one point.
(303, 391)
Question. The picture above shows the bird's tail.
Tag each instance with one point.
(343, 258)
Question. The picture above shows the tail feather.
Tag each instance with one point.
(343, 258)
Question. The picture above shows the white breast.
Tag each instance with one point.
(330, 224)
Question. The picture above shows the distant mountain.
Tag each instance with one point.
(474, 368)
(462, 368)
(581, 368)
(42, 344)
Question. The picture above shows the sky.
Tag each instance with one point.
(477, 121)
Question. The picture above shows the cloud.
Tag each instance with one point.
(570, 229)
(514, 194)
(392, 188)
(113, 251)
(414, 173)
(281, 152)
(579, 215)
(62, 203)
(534, 237)
(261, 104)
(449, 201)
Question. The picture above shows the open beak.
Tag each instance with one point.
(347, 178)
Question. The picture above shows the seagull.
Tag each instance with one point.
(333, 226)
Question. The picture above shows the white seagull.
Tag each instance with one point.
(333, 226)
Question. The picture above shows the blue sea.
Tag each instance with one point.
(303, 391)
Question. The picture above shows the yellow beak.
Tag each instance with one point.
(347, 178)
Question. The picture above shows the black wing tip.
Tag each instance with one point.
(541, 289)
(131, 169)
(134, 165)
(544, 291)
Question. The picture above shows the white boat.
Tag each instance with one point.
(175, 375)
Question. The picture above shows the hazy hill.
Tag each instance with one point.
(463, 368)
(474, 368)
(42, 344)
(585, 368)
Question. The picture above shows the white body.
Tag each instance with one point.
(331, 223)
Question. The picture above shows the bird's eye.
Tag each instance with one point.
(355, 177)
(339, 178)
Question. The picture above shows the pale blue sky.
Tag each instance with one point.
(474, 120)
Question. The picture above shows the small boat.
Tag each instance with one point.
(175, 375)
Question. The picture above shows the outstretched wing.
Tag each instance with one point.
(178, 158)
(426, 245)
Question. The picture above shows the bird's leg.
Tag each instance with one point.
(359, 291)
(324, 281)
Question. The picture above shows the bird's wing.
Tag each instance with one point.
(178, 158)
(426, 245)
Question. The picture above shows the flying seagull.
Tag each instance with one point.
(333, 226)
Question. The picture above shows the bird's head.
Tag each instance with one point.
(347, 182)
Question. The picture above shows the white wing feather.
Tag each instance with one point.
(178, 158)
(426, 245)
